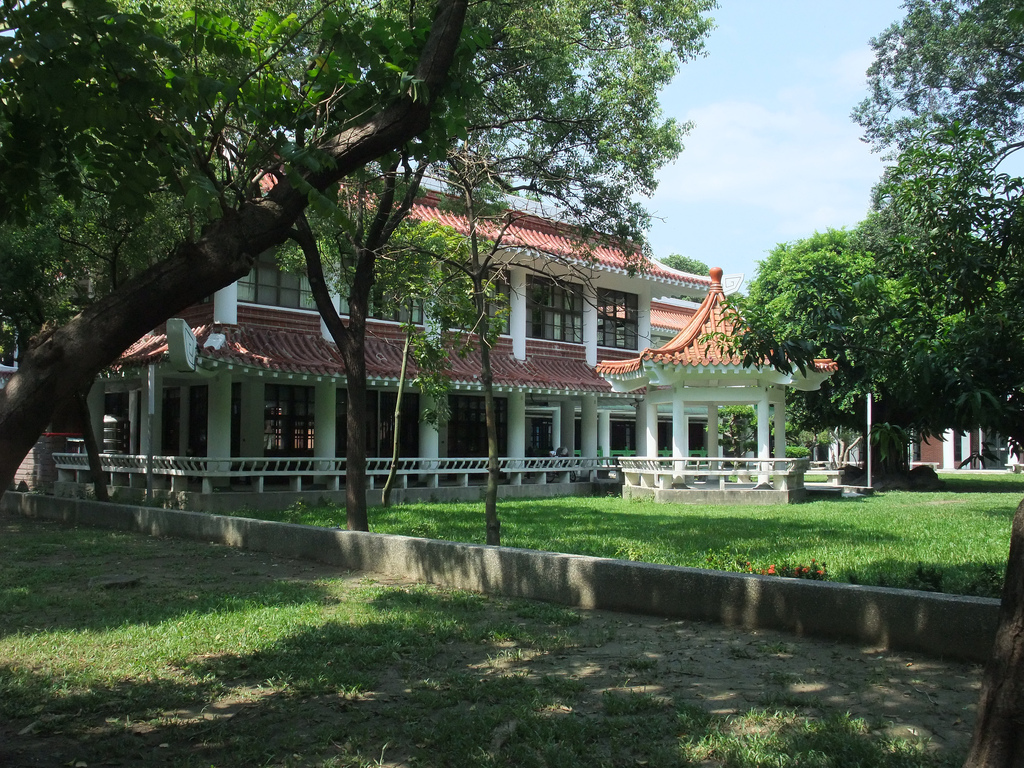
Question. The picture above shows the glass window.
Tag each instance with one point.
(616, 319)
(288, 420)
(268, 284)
(555, 310)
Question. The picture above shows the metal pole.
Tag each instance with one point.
(867, 442)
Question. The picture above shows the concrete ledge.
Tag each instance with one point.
(272, 499)
(714, 497)
(941, 625)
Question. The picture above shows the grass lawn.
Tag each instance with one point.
(118, 649)
(955, 540)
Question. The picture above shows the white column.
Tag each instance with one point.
(252, 415)
(713, 449)
(650, 430)
(780, 429)
(517, 424)
(762, 432)
(225, 305)
(325, 419)
(567, 425)
(517, 311)
(680, 429)
(948, 462)
(604, 432)
(588, 431)
(590, 323)
(218, 433)
(429, 437)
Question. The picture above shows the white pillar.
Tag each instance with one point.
(325, 419)
(680, 429)
(713, 449)
(225, 305)
(948, 460)
(567, 433)
(588, 431)
(762, 432)
(517, 424)
(218, 433)
(590, 323)
(517, 311)
(604, 432)
(429, 435)
(556, 428)
(650, 429)
(780, 429)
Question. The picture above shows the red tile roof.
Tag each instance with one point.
(687, 349)
(670, 316)
(293, 352)
(546, 236)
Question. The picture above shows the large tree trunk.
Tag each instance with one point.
(60, 363)
(998, 740)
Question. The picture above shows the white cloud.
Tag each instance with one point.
(806, 169)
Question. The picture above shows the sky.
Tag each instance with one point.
(773, 154)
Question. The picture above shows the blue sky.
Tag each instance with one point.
(773, 155)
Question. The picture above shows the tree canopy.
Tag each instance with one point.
(947, 61)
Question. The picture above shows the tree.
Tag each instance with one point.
(943, 295)
(947, 61)
(84, 93)
(562, 107)
(686, 264)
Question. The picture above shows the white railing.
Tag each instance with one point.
(716, 472)
(177, 473)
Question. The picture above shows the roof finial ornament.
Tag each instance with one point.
(716, 278)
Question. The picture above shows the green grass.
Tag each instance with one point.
(219, 657)
(955, 540)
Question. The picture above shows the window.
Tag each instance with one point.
(616, 319)
(467, 425)
(268, 284)
(555, 310)
(288, 420)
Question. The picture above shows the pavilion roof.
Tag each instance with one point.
(699, 345)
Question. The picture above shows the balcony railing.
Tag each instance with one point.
(182, 473)
(713, 473)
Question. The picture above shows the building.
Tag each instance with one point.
(261, 404)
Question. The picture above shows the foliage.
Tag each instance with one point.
(947, 61)
(686, 264)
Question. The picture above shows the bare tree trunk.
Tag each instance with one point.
(493, 524)
(998, 740)
(91, 448)
(60, 363)
(396, 436)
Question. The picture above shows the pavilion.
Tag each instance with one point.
(697, 368)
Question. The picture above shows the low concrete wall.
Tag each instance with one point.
(766, 497)
(936, 624)
(273, 499)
